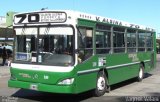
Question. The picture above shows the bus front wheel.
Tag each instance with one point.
(101, 84)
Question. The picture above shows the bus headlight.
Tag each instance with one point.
(68, 81)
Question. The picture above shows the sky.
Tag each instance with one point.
(142, 12)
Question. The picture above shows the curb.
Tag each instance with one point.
(5, 75)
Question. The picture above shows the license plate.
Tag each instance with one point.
(34, 87)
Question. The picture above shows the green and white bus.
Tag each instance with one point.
(72, 52)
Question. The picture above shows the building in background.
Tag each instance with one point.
(6, 29)
(6, 32)
(9, 18)
(2, 21)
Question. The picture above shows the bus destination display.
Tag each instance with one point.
(41, 17)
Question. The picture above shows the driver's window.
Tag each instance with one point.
(85, 43)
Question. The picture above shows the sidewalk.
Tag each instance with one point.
(4, 71)
(158, 57)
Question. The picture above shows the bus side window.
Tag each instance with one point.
(85, 44)
(131, 40)
(149, 41)
(119, 39)
(141, 41)
(102, 42)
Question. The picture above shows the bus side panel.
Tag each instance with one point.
(117, 74)
(87, 80)
(122, 73)
(146, 57)
(129, 65)
(86, 23)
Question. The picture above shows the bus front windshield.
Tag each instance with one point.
(45, 45)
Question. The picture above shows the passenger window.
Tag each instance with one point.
(103, 40)
(149, 41)
(141, 41)
(118, 39)
(131, 40)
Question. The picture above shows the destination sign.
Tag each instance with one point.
(23, 56)
(40, 17)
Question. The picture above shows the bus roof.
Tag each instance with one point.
(65, 14)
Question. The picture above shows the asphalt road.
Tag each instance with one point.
(129, 90)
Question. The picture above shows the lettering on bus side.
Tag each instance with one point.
(133, 57)
(46, 77)
(24, 75)
(115, 22)
(134, 26)
(110, 21)
(150, 29)
(101, 61)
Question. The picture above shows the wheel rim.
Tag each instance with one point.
(101, 83)
(141, 73)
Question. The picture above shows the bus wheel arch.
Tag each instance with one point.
(101, 83)
(141, 71)
(142, 63)
(107, 81)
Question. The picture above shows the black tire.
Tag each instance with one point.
(101, 84)
(141, 73)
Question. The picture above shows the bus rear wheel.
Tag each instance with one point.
(101, 84)
(141, 73)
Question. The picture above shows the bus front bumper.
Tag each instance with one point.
(66, 89)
